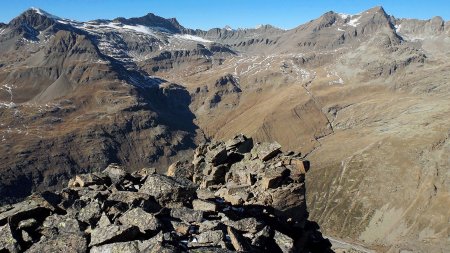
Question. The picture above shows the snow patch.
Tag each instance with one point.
(344, 16)
(44, 13)
(8, 105)
(333, 73)
(228, 28)
(340, 29)
(398, 27)
(192, 37)
(136, 28)
(354, 21)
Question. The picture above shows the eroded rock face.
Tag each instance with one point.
(257, 204)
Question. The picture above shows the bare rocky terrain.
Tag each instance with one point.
(364, 97)
(233, 196)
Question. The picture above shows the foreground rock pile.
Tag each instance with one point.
(233, 196)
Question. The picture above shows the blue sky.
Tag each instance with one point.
(205, 14)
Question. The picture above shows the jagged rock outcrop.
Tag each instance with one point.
(237, 197)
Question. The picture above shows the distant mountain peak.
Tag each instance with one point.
(151, 20)
(43, 13)
(228, 28)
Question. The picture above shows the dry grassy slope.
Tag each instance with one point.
(383, 176)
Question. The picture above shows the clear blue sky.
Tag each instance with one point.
(207, 14)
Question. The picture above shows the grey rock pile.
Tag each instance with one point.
(233, 196)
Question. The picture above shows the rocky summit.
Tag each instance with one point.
(233, 196)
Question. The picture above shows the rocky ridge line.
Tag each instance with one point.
(233, 196)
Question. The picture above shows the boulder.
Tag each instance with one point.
(186, 214)
(238, 242)
(203, 205)
(115, 172)
(63, 224)
(217, 154)
(273, 178)
(7, 242)
(28, 223)
(205, 194)
(180, 227)
(262, 237)
(284, 242)
(289, 202)
(91, 213)
(104, 221)
(167, 189)
(181, 169)
(214, 175)
(138, 217)
(133, 199)
(208, 238)
(266, 151)
(251, 225)
(208, 225)
(113, 233)
(67, 243)
(35, 207)
(118, 247)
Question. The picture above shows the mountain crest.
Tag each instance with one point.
(43, 13)
(151, 20)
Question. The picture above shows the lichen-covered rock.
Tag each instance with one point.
(208, 238)
(90, 213)
(181, 169)
(63, 224)
(118, 247)
(34, 207)
(7, 242)
(115, 172)
(186, 214)
(166, 189)
(138, 217)
(67, 243)
(266, 151)
(113, 233)
(283, 241)
(204, 205)
(237, 240)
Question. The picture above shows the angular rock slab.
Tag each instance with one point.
(186, 214)
(237, 240)
(204, 205)
(166, 189)
(113, 233)
(7, 241)
(68, 243)
(266, 151)
(283, 241)
(119, 247)
(34, 207)
(141, 219)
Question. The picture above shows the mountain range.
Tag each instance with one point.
(364, 97)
